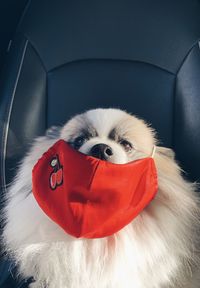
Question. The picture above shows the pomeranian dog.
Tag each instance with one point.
(158, 249)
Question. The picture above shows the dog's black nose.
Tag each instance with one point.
(101, 151)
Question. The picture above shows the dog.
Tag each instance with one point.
(158, 249)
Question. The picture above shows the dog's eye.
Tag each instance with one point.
(127, 145)
(79, 141)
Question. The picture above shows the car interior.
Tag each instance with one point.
(60, 58)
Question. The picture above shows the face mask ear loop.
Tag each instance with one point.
(153, 151)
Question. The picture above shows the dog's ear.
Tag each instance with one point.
(53, 132)
(166, 151)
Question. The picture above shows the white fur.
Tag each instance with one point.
(159, 249)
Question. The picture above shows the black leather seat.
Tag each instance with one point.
(9, 19)
(70, 56)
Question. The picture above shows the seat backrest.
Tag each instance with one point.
(10, 12)
(70, 56)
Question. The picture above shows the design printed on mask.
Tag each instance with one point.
(56, 176)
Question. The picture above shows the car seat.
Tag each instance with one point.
(70, 56)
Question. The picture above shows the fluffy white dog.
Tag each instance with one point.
(159, 249)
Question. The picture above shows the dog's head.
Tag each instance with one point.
(109, 134)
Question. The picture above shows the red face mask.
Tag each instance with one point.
(89, 197)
